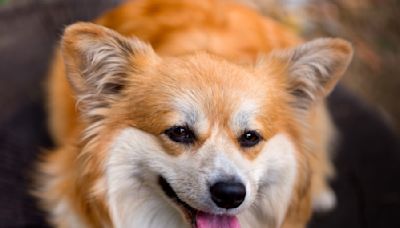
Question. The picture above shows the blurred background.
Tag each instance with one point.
(365, 107)
(373, 27)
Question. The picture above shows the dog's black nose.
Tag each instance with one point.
(228, 194)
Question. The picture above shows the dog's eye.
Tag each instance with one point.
(181, 134)
(249, 139)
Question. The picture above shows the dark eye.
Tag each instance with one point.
(249, 139)
(180, 134)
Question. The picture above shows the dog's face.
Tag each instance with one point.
(195, 139)
(204, 133)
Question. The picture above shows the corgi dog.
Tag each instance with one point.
(182, 113)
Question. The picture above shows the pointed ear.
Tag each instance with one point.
(99, 62)
(314, 68)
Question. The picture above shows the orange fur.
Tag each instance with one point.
(219, 27)
(176, 28)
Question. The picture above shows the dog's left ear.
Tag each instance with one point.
(313, 69)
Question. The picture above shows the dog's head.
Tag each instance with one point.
(195, 139)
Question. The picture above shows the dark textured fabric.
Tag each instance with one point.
(368, 167)
(367, 160)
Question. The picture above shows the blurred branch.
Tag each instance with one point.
(3, 1)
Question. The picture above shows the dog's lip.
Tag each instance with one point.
(189, 212)
(195, 216)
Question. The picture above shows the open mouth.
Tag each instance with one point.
(198, 219)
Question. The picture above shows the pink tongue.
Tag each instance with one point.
(204, 220)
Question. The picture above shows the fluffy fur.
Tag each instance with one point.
(214, 66)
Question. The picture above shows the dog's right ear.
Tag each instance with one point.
(100, 61)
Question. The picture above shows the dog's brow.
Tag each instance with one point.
(187, 110)
(191, 117)
(242, 119)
